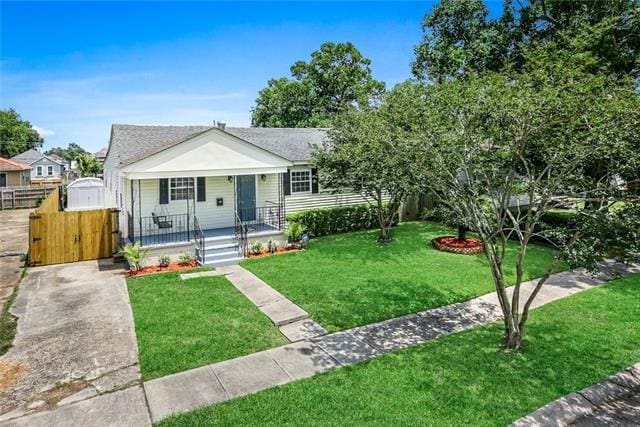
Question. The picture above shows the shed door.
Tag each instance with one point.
(246, 197)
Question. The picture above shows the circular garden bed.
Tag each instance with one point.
(468, 246)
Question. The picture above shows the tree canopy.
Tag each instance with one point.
(88, 165)
(70, 153)
(16, 135)
(460, 38)
(336, 79)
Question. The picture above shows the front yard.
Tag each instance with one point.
(348, 280)
(182, 325)
(461, 379)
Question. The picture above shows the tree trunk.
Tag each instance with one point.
(462, 233)
(514, 339)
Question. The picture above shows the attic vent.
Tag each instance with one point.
(222, 125)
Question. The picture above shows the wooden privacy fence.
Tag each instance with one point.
(57, 237)
(22, 197)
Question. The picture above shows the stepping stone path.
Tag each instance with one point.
(294, 322)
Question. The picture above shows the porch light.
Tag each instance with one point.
(263, 177)
(230, 178)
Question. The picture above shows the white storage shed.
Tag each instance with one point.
(86, 194)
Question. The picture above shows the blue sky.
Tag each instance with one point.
(74, 68)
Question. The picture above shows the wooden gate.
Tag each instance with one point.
(57, 237)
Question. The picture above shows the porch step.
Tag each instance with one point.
(221, 249)
(219, 240)
(219, 262)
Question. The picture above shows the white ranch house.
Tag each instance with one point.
(195, 188)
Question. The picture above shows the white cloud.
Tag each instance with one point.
(82, 110)
(44, 133)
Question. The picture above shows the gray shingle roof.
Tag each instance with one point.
(130, 143)
(31, 156)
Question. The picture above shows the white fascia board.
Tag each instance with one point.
(212, 172)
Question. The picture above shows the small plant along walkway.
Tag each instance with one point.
(294, 322)
(614, 401)
(226, 380)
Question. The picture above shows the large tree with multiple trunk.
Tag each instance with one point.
(489, 139)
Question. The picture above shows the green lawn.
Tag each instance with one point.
(185, 324)
(462, 379)
(348, 280)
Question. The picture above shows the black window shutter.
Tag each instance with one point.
(314, 180)
(286, 182)
(164, 191)
(201, 190)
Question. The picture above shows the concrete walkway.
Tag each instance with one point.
(612, 402)
(75, 340)
(222, 381)
(293, 321)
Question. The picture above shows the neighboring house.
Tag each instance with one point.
(13, 173)
(170, 182)
(44, 169)
(101, 155)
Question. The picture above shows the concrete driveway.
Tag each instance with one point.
(75, 340)
(14, 240)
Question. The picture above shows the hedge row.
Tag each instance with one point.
(560, 219)
(320, 222)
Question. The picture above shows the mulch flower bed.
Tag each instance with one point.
(152, 269)
(266, 252)
(468, 246)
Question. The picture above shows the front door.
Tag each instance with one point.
(246, 197)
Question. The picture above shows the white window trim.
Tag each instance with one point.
(182, 187)
(49, 170)
(291, 181)
(38, 170)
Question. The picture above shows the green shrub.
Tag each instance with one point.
(320, 222)
(164, 260)
(560, 219)
(295, 231)
(256, 247)
(134, 254)
(185, 258)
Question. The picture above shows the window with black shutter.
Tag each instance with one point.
(201, 190)
(164, 191)
(286, 182)
(314, 181)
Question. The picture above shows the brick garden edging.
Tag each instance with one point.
(572, 407)
(462, 251)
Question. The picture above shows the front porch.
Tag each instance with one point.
(212, 217)
(184, 228)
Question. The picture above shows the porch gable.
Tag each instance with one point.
(212, 153)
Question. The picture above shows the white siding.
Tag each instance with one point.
(303, 202)
(268, 190)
